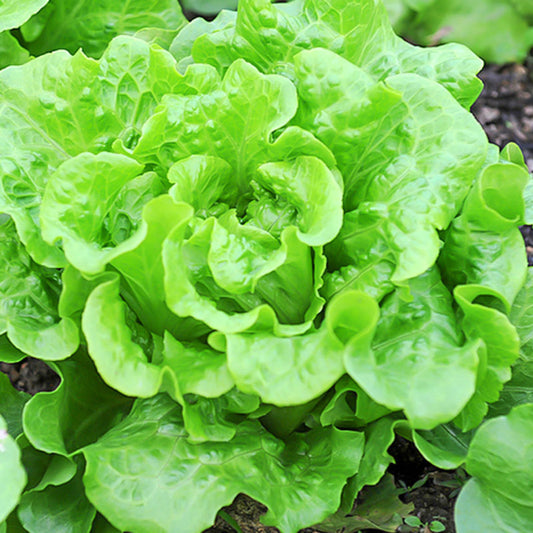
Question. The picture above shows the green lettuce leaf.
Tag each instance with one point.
(417, 339)
(12, 403)
(152, 480)
(11, 471)
(11, 53)
(29, 297)
(269, 36)
(483, 246)
(501, 345)
(498, 497)
(72, 105)
(405, 171)
(14, 13)
(90, 24)
(79, 411)
(63, 508)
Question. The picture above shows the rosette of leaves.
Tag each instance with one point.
(500, 31)
(250, 258)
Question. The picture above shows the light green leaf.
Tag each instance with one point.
(58, 106)
(285, 287)
(182, 46)
(203, 181)
(296, 370)
(310, 188)
(169, 476)
(13, 13)
(91, 24)
(416, 341)
(500, 459)
(11, 472)
(43, 124)
(234, 131)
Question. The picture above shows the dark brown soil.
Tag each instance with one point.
(505, 109)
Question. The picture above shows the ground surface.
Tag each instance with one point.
(506, 111)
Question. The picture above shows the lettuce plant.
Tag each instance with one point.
(500, 31)
(252, 258)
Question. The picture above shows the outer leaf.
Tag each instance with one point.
(182, 45)
(498, 498)
(13, 13)
(63, 508)
(42, 125)
(91, 24)
(445, 446)
(72, 105)
(180, 476)
(11, 472)
(12, 402)
(209, 7)
(269, 36)
(28, 304)
(467, 24)
(519, 389)
(80, 410)
(11, 53)
(415, 341)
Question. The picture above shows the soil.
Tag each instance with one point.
(505, 109)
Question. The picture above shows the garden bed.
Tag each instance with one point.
(506, 111)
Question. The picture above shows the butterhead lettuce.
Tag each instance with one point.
(251, 257)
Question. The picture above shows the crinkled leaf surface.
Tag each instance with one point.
(144, 475)
(269, 35)
(384, 136)
(91, 24)
(29, 295)
(57, 107)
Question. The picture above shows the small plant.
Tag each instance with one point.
(435, 526)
